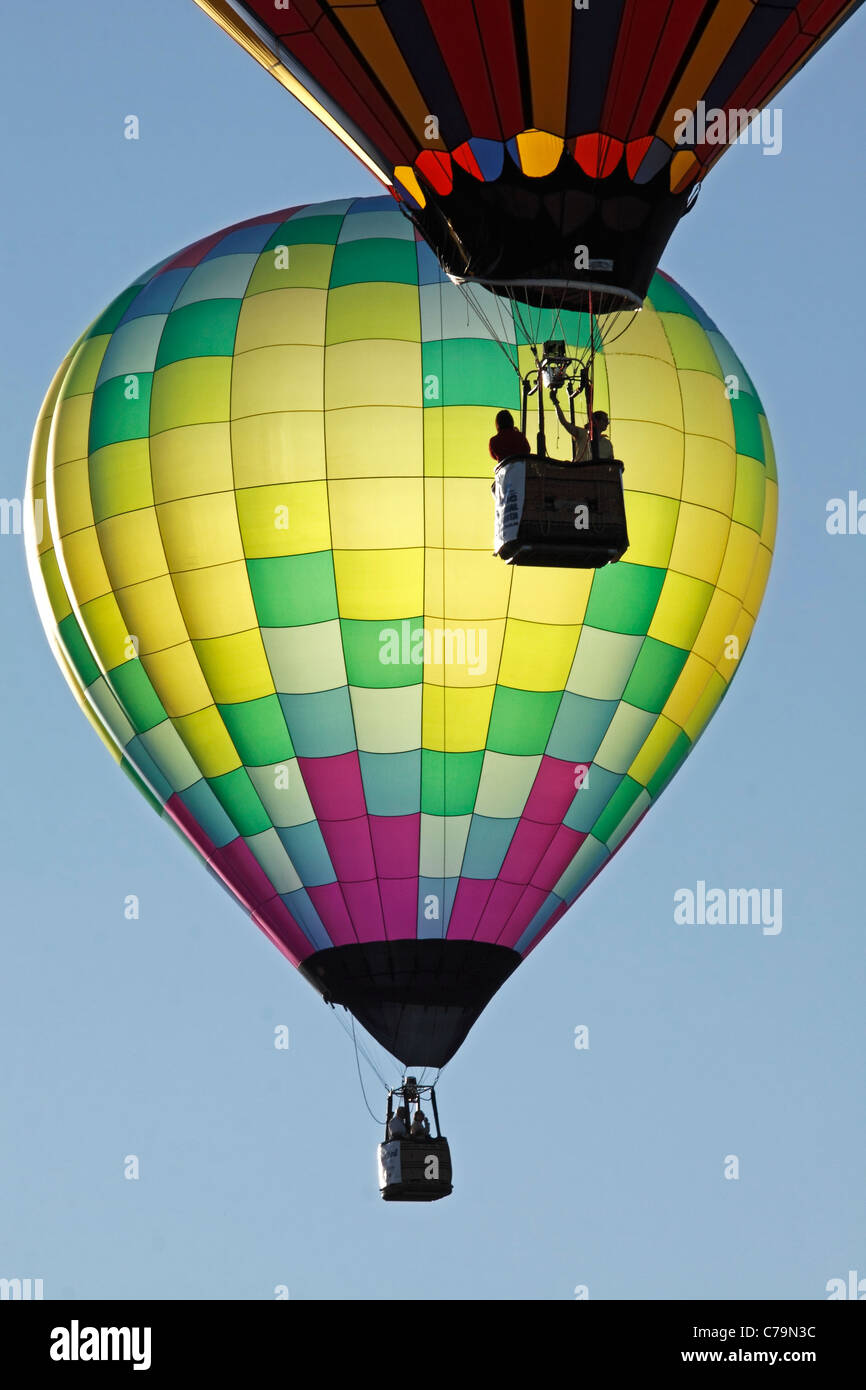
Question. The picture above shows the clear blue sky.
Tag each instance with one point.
(154, 1038)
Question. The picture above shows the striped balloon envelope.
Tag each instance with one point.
(515, 131)
(260, 525)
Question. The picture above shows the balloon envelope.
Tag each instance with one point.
(260, 541)
(517, 131)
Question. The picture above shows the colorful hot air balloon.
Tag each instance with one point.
(260, 542)
(538, 144)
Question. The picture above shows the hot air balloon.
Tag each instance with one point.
(265, 570)
(538, 145)
(260, 543)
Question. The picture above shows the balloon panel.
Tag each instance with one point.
(517, 130)
(262, 555)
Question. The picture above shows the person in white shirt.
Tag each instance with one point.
(582, 445)
(420, 1125)
(397, 1128)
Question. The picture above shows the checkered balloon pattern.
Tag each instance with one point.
(260, 526)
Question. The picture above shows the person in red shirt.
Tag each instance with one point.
(510, 480)
(508, 441)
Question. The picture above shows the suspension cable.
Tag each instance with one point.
(360, 1049)
(361, 1079)
(466, 289)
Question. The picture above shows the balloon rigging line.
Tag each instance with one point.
(370, 1111)
(360, 1048)
(487, 322)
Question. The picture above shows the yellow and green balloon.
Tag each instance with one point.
(260, 541)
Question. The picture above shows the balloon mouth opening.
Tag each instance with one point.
(417, 997)
(579, 296)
